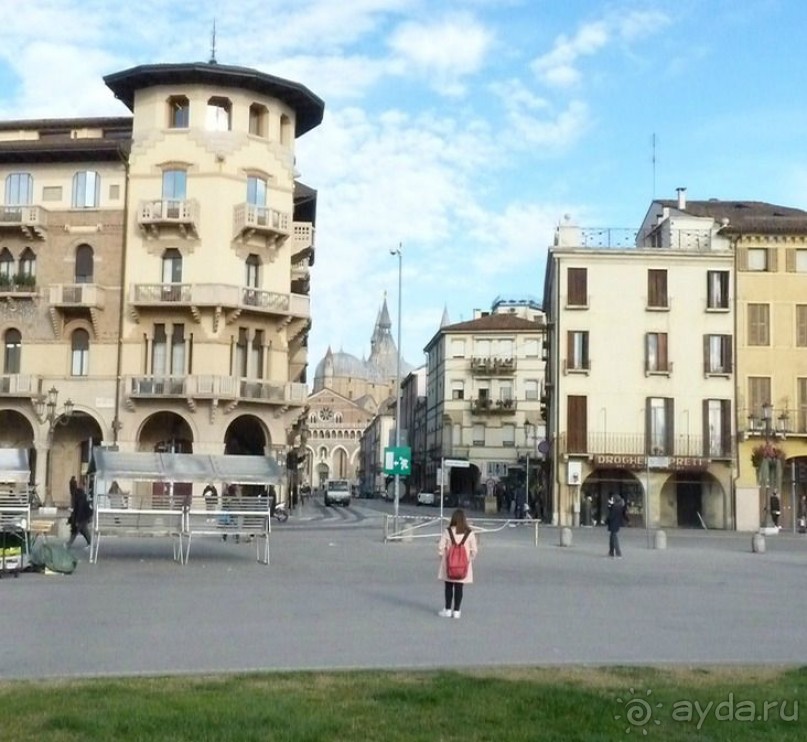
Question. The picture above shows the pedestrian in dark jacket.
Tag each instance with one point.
(615, 520)
(80, 513)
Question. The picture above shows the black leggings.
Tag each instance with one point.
(453, 592)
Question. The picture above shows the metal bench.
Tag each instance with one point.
(241, 517)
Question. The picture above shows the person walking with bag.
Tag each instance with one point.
(80, 513)
(457, 550)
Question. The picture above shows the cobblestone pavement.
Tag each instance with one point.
(337, 596)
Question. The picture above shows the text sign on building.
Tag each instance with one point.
(671, 463)
(398, 461)
(457, 463)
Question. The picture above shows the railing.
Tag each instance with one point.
(635, 444)
(19, 384)
(168, 211)
(260, 218)
(303, 236)
(77, 294)
(161, 293)
(23, 288)
(34, 217)
(624, 238)
(493, 407)
(488, 365)
(219, 387)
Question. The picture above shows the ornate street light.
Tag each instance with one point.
(397, 485)
(45, 408)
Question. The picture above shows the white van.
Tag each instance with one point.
(337, 491)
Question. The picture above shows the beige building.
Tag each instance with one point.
(154, 271)
(483, 398)
(640, 371)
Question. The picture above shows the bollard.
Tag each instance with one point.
(660, 542)
(758, 543)
(566, 536)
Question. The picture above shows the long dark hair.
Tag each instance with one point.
(458, 522)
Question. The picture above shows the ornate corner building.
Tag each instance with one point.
(154, 271)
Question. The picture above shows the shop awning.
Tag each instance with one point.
(184, 467)
(14, 465)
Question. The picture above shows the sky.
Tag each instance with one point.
(462, 131)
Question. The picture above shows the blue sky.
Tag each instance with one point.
(463, 130)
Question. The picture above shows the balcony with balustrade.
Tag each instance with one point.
(486, 406)
(261, 221)
(23, 386)
(31, 221)
(491, 366)
(302, 247)
(636, 444)
(169, 216)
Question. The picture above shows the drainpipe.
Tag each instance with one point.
(116, 423)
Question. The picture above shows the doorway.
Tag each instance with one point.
(688, 498)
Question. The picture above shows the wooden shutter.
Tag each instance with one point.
(790, 259)
(725, 423)
(577, 423)
(707, 443)
(742, 258)
(669, 425)
(663, 359)
(728, 354)
(576, 288)
(706, 364)
(772, 262)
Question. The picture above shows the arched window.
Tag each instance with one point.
(253, 271)
(340, 464)
(6, 266)
(175, 184)
(28, 264)
(80, 353)
(172, 266)
(219, 114)
(13, 352)
(84, 264)
(86, 189)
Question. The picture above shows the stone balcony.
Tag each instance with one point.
(260, 221)
(169, 215)
(72, 299)
(493, 366)
(24, 386)
(635, 444)
(484, 406)
(31, 221)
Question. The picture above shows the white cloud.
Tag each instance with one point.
(443, 51)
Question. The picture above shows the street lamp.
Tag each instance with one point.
(399, 253)
(768, 431)
(45, 408)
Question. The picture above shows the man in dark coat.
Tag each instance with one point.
(776, 508)
(80, 514)
(614, 521)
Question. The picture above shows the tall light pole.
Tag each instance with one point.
(399, 253)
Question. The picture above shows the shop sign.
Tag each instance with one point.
(671, 463)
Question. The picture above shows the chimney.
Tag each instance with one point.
(682, 198)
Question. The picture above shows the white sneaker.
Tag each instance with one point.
(456, 614)
(444, 613)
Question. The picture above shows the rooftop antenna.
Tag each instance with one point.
(212, 59)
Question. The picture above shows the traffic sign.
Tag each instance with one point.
(398, 460)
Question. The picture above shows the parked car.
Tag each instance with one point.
(428, 498)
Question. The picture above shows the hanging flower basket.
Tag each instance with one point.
(769, 461)
(766, 451)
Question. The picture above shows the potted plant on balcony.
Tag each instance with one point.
(768, 459)
(6, 283)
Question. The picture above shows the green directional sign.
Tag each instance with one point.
(398, 460)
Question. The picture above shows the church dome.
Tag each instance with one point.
(343, 365)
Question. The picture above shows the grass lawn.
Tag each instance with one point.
(725, 703)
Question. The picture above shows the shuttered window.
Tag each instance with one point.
(577, 423)
(759, 324)
(657, 288)
(577, 287)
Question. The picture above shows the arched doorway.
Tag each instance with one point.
(246, 436)
(16, 432)
(73, 439)
(693, 499)
(167, 432)
(604, 483)
(793, 497)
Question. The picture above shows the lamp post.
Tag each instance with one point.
(399, 253)
(45, 407)
(768, 431)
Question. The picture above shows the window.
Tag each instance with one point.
(79, 353)
(577, 351)
(253, 264)
(458, 349)
(241, 353)
(801, 322)
(757, 259)
(576, 287)
(219, 114)
(178, 112)
(19, 189)
(286, 131)
(86, 190)
(656, 359)
(6, 265)
(801, 410)
(256, 191)
(508, 435)
(657, 289)
(479, 435)
(257, 355)
(175, 185)
(717, 289)
(456, 434)
(178, 350)
(577, 423)
(457, 390)
(659, 426)
(28, 263)
(505, 349)
(800, 262)
(531, 348)
(258, 116)
(531, 389)
(759, 393)
(52, 193)
(717, 354)
(717, 427)
(84, 264)
(172, 266)
(758, 324)
(506, 392)
(13, 352)
(158, 351)
(482, 348)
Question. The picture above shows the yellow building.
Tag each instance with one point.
(154, 271)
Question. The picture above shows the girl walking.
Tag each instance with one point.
(457, 535)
